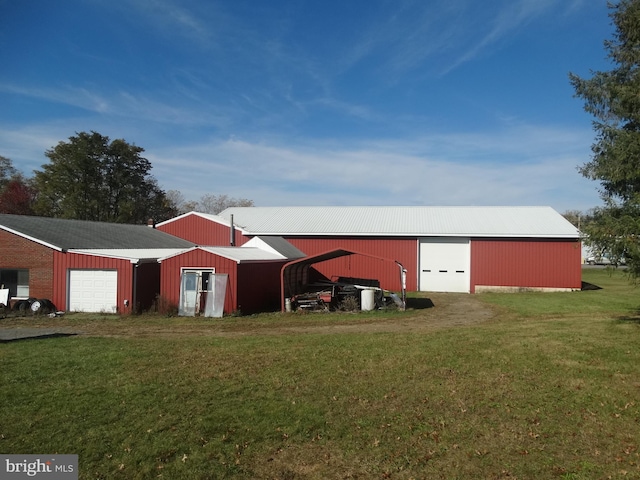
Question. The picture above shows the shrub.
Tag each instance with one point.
(163, 306)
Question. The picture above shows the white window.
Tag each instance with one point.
(22, 289)
(16, 280)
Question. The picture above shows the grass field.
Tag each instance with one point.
(547, 387)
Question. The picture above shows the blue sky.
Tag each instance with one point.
(350, 102)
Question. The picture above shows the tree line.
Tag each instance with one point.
(91, 177)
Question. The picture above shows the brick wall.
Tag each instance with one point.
(20, 253)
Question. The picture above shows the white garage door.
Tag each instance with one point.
(445, 264)
(93, 290)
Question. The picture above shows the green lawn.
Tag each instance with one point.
(549, 388)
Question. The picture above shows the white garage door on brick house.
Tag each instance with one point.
(93, 290)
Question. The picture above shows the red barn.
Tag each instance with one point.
(447, 249)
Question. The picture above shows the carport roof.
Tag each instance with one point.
(293, 272)
(63, 234)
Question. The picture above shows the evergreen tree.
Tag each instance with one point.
(613, 98)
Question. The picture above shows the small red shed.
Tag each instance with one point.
(253, 272)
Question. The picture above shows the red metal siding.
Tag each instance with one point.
(170, 271)
(404, 250)
(62, 262)
(259, 287)
(526, 263)
(201, 231)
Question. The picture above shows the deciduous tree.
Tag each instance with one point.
(17, 197)
(208, 203)
(214, 204)
(17, 194)
(92, 178)
(7, 171)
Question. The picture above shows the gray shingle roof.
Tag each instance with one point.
(65, 234)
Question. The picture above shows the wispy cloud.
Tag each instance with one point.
(531, 166)
(505, 21)
(127, 104)
(285, 104)
(440, 36)
(519, 165)
(26, 146)
(172, 17)
(70, 96)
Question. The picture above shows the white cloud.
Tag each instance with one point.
(26, 146)
(530, 166)
(129, 105)
(232, 69)
(170, 18)
(440, 36)
(520, 165)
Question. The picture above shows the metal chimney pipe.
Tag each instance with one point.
(232, 233)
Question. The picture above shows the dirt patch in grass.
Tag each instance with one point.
(441, 310)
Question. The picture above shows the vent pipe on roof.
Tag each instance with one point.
(151, 223)
(232, 233)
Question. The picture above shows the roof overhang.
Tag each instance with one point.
(135, 256)
(236, 254)
(245, 254)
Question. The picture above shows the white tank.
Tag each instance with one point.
(367, 299)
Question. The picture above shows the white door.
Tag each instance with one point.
(195, 286)
(445, 265)
(93, 291)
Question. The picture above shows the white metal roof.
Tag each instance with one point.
(244, 254)
(277, 245)
(537, 222)
(207, 216)
(134, 255)
(237, 254)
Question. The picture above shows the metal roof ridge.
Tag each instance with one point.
(206, 216)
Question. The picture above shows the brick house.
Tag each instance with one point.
(79, 265)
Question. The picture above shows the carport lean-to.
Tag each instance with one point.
(295, 274)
